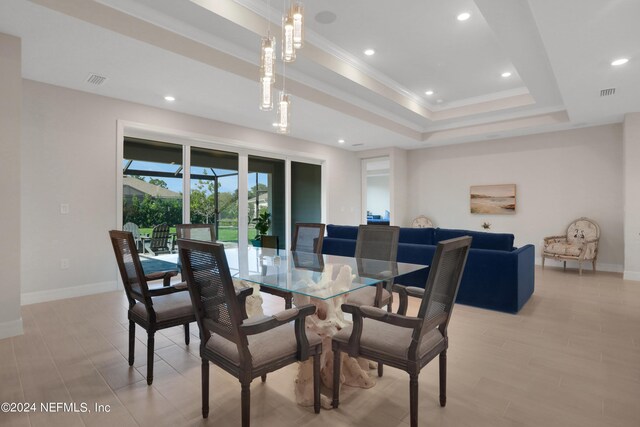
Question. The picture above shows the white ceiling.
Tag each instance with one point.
(204, 52)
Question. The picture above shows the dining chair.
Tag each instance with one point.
(152, 309)
(308, 237)
(245, 349)
(404, 342)
(273, 242)
(378, 242)
(205, 232)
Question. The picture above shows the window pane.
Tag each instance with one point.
(214, 192)
(267, 195)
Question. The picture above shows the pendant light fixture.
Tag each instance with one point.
(267, 67)
(297, 15)
(284, 112)
(288, 48)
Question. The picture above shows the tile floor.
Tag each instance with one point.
(571, 357)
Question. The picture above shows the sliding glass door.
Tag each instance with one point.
(266, 196)
(214, 192)
(306, 193)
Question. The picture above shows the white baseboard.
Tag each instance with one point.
(11, 328)
(70, 292)
(613, 268)
(631, 275)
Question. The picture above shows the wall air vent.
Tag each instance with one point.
(608, 92)
(95, 79)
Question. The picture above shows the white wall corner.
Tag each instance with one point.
(11, 328)
(69, 292)
(632, 275)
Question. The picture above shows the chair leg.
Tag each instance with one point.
(288, 301)
(543, 263)
(443, 378)
(336, 378)
(205, 388)
(565, 266)
(187, 336)
(580, 267)
(263, 378)
(245, 396)
(413, 399)
(316, 383)
(150, 345)
(380, 369)
(594, 265)
(132, 341)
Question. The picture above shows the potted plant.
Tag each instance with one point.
(262, 225)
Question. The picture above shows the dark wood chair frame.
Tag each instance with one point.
(420, 325)
(183, 231)
(145, 296)
(317, 246)
(360, 252)
(244, 371)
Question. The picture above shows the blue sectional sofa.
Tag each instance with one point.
(497, 275)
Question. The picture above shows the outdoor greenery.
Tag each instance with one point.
(147, 211)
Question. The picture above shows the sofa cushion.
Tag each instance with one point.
(341, 247)
(342, 231)
(481, 240)
(420, 236)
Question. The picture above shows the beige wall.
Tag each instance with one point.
(632, 196)
(10, 111)
(559, 176)
(69, 156)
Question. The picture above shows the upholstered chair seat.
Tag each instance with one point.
(579, 244)
(367, 295)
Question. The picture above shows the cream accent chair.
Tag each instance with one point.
(580, 244)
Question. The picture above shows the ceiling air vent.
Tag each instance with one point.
(608, 92)
(357, 145)
(96, 79)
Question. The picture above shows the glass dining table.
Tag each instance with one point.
(322, 280)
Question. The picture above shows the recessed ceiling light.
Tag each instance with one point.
(341, 141)
(429, 92)
(169, 98)
(369, 52)
(275, 124)
(439, 101)
(619, 62)
(506, 74)
(464, 16)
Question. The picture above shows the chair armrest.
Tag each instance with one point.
(404, 292)
(278, 319)
(164, 275)
(554, 239)
(242, 295)
(298, 315)
(374, 313)
(165, 290)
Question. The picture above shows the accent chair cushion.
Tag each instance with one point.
(565, 249)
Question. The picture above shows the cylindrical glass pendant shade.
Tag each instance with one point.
(298, 24)
(266, 97)
(284, 113)
(288, 49)
(268, 57)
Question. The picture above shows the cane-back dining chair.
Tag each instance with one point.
(245, 349)
(404, 342)
(204, 232)
(153, 309)
(308, 237)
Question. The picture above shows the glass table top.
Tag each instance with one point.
(314, 275)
